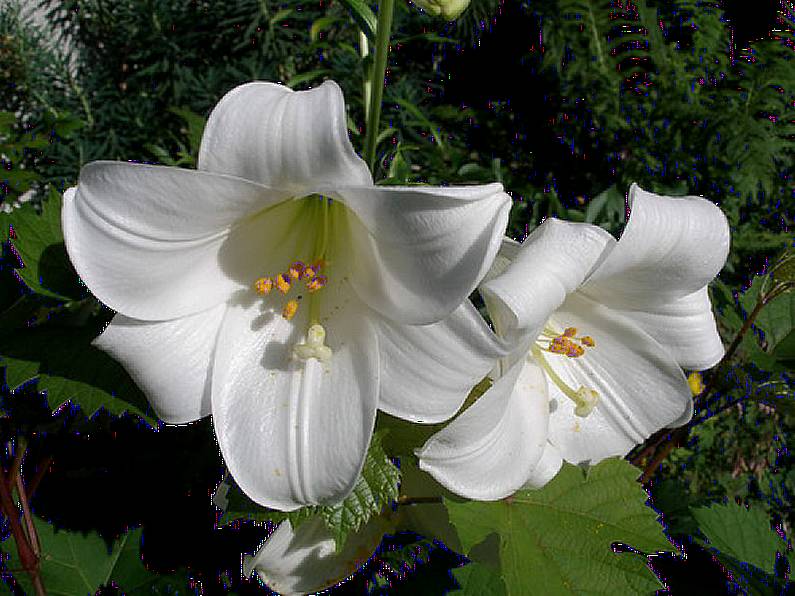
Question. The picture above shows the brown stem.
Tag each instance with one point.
(16, 466)
(29, 560)
(660, 456)
(662, 447)
(44, 466)
(23, 499)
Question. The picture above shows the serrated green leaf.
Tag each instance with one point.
(74, 563)
(558, 540)
(70, 368)
(376, 487)
(741, 533)
(476, 579)
(38, 240)
(776, 319)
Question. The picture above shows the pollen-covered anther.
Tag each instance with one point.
(283, 282)
(263, 285)
(569, 332)
(314, 347)
(290, 308)
(316, 283)
(296, 270)
(586, 401)
(567, 347)
(588, 341)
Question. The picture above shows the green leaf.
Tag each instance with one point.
(131, 575)
(38, 241)
(73, 563)
(70, 368)
(741, 533)
(363, 16)
(477, 579)
(376, 487)
(558, 540)
(776, 320)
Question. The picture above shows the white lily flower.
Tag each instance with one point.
(304, 561)
(280, 290)
(600, 331)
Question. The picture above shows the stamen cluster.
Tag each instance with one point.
(283, 282)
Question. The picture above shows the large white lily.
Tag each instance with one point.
(280, 290)
(600, 331)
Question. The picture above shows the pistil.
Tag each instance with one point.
(584, 398)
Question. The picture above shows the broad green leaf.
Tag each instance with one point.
(476, 579)
(558, 540)
(70, 368)
(425, 516)
(38, 240)
(134, 579)
(376, 487)
(363, 16)
(74, 563)
(741, 533)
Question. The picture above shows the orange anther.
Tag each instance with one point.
(587, 340)
(283, 283)
(569, 332)
(315, 284)
(263, 285)
(309, 272)
(289, 310)
(296, 270)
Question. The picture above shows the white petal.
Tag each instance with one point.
(546, 469)
(685, 327)
(427, 371)
(304, 561)
(171, 361)
(552, 262)
(146, 239)
(294, 432)
(509, 251)
(492, 448)
(295, 140)
(641, 388)
(670, 248)
(418, 252)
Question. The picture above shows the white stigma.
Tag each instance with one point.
(314, 347)
(586, 402)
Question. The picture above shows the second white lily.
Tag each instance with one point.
(600, 331)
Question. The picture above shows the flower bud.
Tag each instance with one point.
(447, 9)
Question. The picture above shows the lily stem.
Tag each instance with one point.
(378, 73)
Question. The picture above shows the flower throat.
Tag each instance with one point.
(300, 280)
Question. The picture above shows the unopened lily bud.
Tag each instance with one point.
(447, 9)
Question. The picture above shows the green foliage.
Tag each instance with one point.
(741, 533)
(475, 579)
(376, 487)
(72, 563)
(69, 368)
(558, 539)
(38, 241)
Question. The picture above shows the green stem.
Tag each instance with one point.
(383, 33)
(367, 83)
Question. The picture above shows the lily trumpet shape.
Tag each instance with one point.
(599, 331)
(278, 289)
